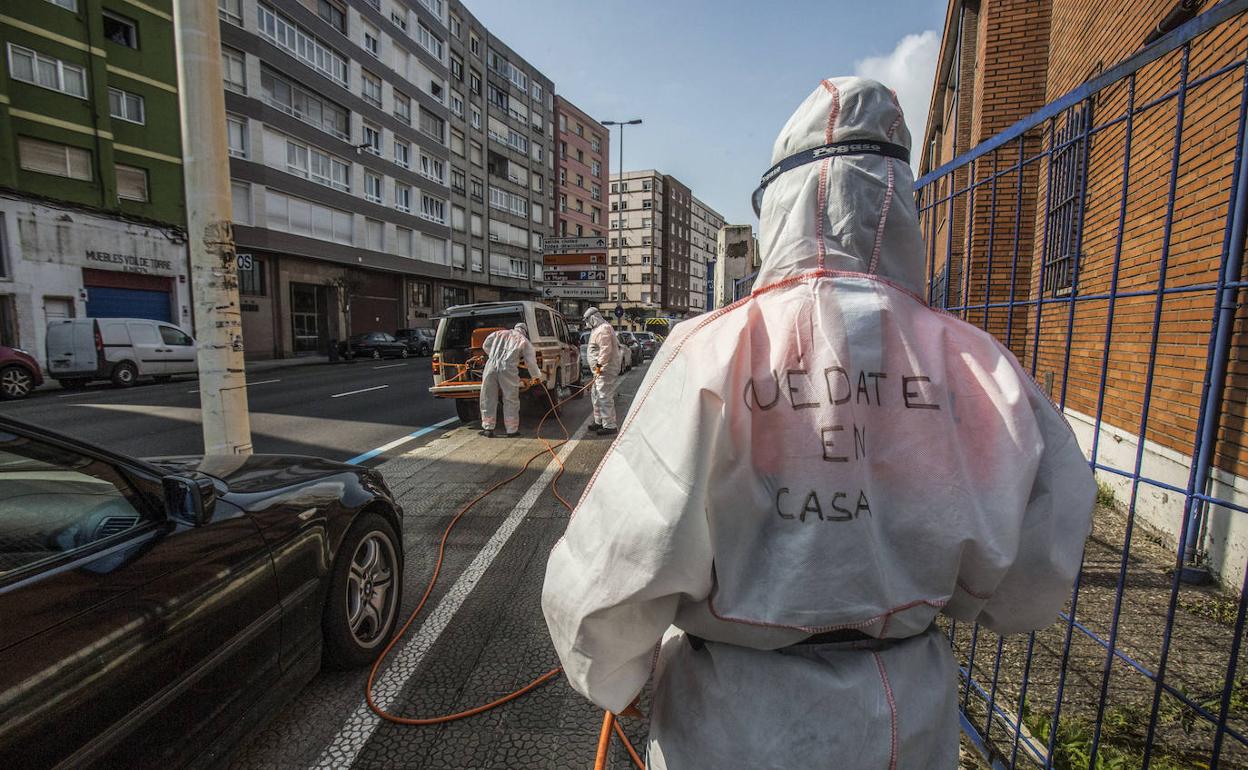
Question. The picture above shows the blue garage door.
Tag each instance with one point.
(111, 302)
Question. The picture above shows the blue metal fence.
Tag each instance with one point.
(1101, 239)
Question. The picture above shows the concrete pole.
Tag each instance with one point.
(214, 270)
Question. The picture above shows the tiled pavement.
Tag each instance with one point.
(495, 640)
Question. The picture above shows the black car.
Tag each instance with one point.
(373, 345)
(155, 611)
(419, 341)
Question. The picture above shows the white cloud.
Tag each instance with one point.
(909, 70)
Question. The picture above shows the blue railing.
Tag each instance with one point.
(1101, 239)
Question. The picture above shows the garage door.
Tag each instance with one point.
(112, 302)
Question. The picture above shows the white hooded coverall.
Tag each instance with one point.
(503, 350)
(603, 355)
(827, 455)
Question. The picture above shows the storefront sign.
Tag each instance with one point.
(129, 262)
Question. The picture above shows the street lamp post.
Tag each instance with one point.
(619, 210)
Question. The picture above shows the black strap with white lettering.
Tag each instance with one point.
(832, 150)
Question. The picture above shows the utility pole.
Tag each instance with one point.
(214, 268)
(619, 208)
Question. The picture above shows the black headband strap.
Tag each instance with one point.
(835, 150)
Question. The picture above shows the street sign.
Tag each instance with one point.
(574, 258)
(619, 311)
(568, 245)
(575, 292)
(565, 276)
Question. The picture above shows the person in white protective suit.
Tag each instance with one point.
(603, 355)
(807, 478)
(503, 351)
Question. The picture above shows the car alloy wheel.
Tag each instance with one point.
(15, 382)
(403, 353)
(371, 590)
(376, 354)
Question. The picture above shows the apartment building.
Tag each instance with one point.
(736, 256)
(502, 162)
(654, 267)
(583, 164)
(337, 118)
(92, 220)
(704, 227)
(1101, 206)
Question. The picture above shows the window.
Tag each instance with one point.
(433, 168)
(370, 88)
(309, 162)
(477, 226)
(596, 168)
(333, 13)
(595, 192)
(458, 181)
(120, 30)
(403, 241)
(457, 26)
(457, 68)
(55, 159)
(476, 117)
(124, 105)
(478, 259)
(304, 217)
(580, 130)
(228, 10)
(374, 234)
(250, 280)
(580, 181)
(306, 106)
(459, 218)
(403, 107)
(457, 142)
(431, 124)
(1064, 215)
(372, 43)
(240, 203)
(538, 183)
(89, 503)
(403, 153)
(459, 255)
(647, 203)
(399, 19)
(302, 44)
(429, 41)
(234, 70)
(433, 209)
(372, 139)
(236, 133)
(403, 197)
(474, 44)
(435, 90)
(496, 96)
(478, 189)
(42, 70)
(474, 82)
(645, 184)
(537, 212)
(580, 156)
(457, 102)
(595, 144)
(474, 153)
(372, 187)
(131, 183)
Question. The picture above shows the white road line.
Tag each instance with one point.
(370, 454)
(350, 739)
(258, 382)
(388, 366)
(361, 390)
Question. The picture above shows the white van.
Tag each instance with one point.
(458, 358)
(117, 349)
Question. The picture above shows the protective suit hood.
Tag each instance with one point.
(854, 212)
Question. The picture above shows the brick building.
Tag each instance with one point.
(580, 190)
(1046, 211)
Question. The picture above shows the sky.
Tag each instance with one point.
(715, 81)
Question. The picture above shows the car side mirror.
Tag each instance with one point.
(190, 497)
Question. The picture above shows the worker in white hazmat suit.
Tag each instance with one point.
(807, 478)
(503, 351)
(603, 355)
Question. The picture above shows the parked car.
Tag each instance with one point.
(196, 592)
(123, 350)
(458, 358)
(419, 341)
(649, 344)
(634, 348)
(19, 373)
(374, 345)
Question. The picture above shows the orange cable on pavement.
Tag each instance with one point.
(608, 721)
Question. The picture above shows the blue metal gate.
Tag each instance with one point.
(113, 302)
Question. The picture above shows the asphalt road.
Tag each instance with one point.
(338, 411)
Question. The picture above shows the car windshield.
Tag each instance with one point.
(459, 328)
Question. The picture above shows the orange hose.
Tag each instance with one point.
(628, 746)
(604, 740)
(609, 718)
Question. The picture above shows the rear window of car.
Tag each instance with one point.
(459, 329)
(545, 324)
